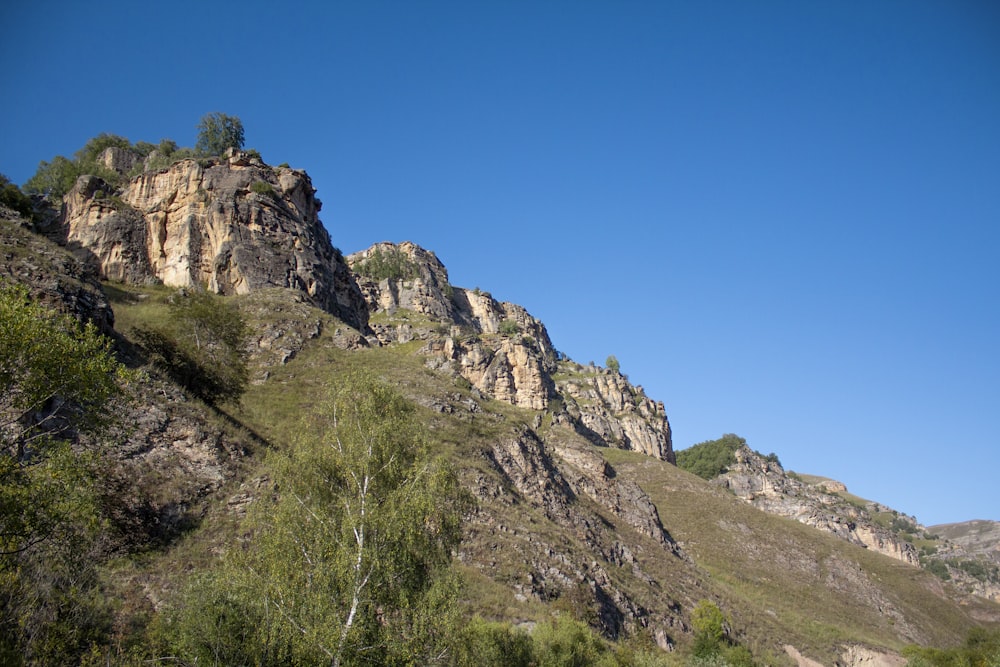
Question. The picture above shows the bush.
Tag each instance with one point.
(392, 264)
(218, 132)
(12, 197)
(509, 328)
(711, 458)
(612, 364)
(263, 188)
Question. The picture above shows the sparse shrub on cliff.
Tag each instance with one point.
(263, 188)
(392, 264)
(612, 364)
(509, 328)
(218, 132)
(12, 197)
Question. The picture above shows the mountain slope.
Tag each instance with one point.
(579, 509)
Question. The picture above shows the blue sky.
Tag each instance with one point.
(783, 218)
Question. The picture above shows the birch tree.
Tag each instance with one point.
(348, 564)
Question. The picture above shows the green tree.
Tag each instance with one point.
(57, 380)
(218, 132)
(53, 179)
(709, 625)
(711, 458)
(349, 564)
(612, 364)
(202, 346)
(12, 197)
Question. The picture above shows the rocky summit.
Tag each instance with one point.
(577, 508)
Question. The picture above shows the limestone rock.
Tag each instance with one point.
(613, 412)
(764, 484)
(231, 226)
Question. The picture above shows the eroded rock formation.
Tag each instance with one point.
(230, 225)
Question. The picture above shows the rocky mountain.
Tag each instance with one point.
(579, 508)
(976, 536)
(232, 225)
(820, 504)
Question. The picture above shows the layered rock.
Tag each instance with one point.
(763, 483)
(501, 350)
(230, 225)
(613, 412)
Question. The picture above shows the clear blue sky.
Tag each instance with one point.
(783, 217)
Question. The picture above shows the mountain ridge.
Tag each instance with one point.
(579, 506)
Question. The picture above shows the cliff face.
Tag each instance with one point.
(230, 225)
(502, 351)
(765, 485)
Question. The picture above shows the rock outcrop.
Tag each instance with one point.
(764, 484)
(231, 225)
(501, 350)
(613, 412)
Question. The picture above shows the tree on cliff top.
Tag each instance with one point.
(218, 132)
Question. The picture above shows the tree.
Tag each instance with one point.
(708, 623)
(58, 380)
(612, 364)
(349, 563)
(53, 179)
(218, 132)
(12, 197)
(202, 346)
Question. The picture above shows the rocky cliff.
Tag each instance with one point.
(765, 484)
(231, 225)
(502, 351)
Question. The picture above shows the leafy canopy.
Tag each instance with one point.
(57, 380)
(218, 132)
(349, 564)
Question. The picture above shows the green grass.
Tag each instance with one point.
(782, 579)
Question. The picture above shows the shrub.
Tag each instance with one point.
(391, 264)
(218, 132)
(263, 188)
(612, 364)
(509, 328)
(711, 458)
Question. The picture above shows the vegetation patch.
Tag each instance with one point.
(392, 264)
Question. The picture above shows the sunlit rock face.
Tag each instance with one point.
(229, 225)
(764, 484)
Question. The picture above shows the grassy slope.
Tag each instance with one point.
(781, 581)
(788, 583)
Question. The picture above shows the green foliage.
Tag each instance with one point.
(568, 643)
(57, 379)
(612, 364)
(12, 197)
(263, 188)
(53, 179)
(711, 458)
(94, 147)
(201, 347)
(708, 623)
(938, 568)
(980, 569)
(509, 328)
(392, 264)
(218, 132)
(981, 649)
(349, 563)
(481, 643)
